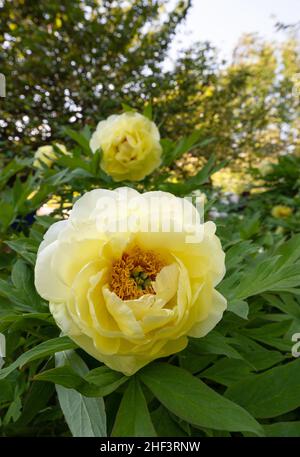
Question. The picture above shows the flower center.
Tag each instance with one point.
(125, 151)
(132, 275)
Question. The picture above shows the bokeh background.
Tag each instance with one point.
(230, 69)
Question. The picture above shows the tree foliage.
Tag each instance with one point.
(68, 62)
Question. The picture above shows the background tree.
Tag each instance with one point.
(74, 62)
(77, 62)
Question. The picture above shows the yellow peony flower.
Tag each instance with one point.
(130, 146)
(129, 280)
(281, 211)
(47, 155)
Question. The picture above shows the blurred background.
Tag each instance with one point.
(230, 69)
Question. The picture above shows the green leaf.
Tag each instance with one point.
(38, 352)
(20, 274)
(193, 401)
(21, 320)
(286, 303)
(214, 343)
(12, 168)
(279, 271)
(7, 214)
(184, 145)
(235, 254)
(283, 429)
(106, 379)
(37, 399)
(80, 138)
(195, 181)
(133, 418)
(26, 247)
(227, 371)
(22, 278)
(270, 394)
(250, 227)
(194, 362)
(6, 391)
(239, 307)
(15, 296)
(165, 425)
(85, 417)
(289, 251)
(271, 334)
(96, 383)
(263, 359)
(127, 108)
(148, 111)
(14, 411)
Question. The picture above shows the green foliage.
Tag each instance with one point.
(77, 65)
(67, 61)
(205, 390)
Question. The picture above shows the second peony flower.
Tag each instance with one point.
(130, 276)
(130, 145)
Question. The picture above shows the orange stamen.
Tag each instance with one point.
(132, 275)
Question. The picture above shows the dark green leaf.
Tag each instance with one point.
(133, 418)
(193, 401)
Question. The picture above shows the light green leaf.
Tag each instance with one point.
(148, 111)
(85, 417)
(80, 138)
(239, 307)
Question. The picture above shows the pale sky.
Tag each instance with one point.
(222, 22)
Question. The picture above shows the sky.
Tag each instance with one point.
(222, 22)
